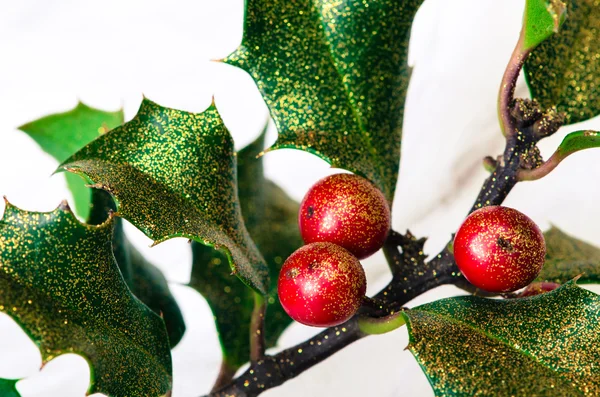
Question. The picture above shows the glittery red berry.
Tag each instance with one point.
(321, 284)
(346, 210)
(499, 249)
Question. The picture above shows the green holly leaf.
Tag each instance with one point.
(144, 279)
(150, 285)
(62, 134)
(576, 141)
(173, 174)
(545, 345)
(564, 70)
(8, 388)
(568, 257)
(272, 220)
(334, 75)
(542, 19)
(60, 283)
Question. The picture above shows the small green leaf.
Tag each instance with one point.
(62, 134)
(545, 345)
(572, 143)
(173, 174)
(577, 141)
(568, 257)
(8, 388)
(564, 71)
(146, 281)
(542, 19)
(334, 76)
(272, 220)
(60, 282)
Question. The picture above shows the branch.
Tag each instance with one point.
(272, 371)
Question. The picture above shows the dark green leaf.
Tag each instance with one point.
(334, 76)
(545, 345)
(150, 286)
(564, 70)
(272, 220)
(567, 257)
(60, 282)
(8, 388)
(173, 174)
(143, 279)
(60, 135)
(542, 19)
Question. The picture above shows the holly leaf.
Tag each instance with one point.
(62, 134)
(60, 283)
(576, 141)
(272, 220)
(564, 71)
(144, 279)
(545, 345)
(542, 19)
(173, 174)
(8, 388)
(334, 76)
(150, 285)
(568, 257)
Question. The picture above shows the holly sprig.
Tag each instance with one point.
(174, 173)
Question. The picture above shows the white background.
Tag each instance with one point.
(108, 53)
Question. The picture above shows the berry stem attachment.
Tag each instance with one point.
(382, 325)
(257, 325)
(508, 84)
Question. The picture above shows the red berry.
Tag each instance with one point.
(346, 210)
(499, 249)
(321, 284)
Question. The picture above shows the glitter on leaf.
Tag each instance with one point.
(80, 302)
(568, 257)
(271, 217)
(545, 345)
(173, 174)
(564, 70)
(334, 75)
